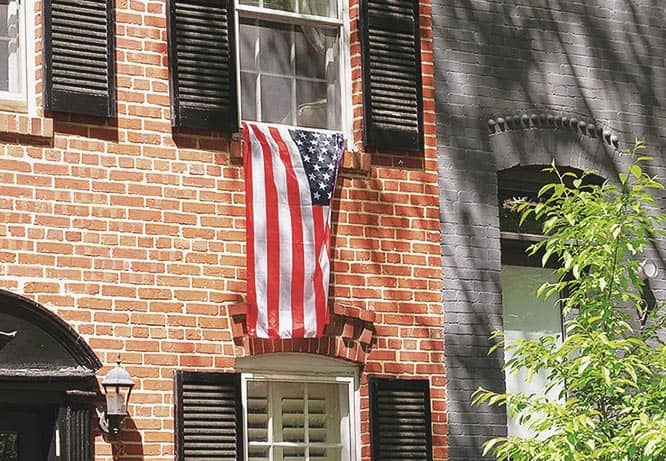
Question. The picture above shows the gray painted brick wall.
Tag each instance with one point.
(602, 61)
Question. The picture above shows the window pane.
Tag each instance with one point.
(311, 104)
(314, 47)
(284, 5)
(324, 454)
(291, 422)
(318, 8)
(289, 453)
(526, 316)
(4, 65)
(255, 453)
(276, 97)
(8, 446)
(275, 48)
(248, 96)
(257, 412)
(248, 39)
(323, 422)
(250, 2)
(4, 29)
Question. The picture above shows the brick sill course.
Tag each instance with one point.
(26, 125)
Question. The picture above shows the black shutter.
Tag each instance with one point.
(202, 64)
(208, 416)
(79, 65)
(400, 420)
(75, 432)
(392, 90)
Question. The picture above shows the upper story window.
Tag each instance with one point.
(290, 70)
(287, 62)
(12, 55)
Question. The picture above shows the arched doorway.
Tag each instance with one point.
(47, 385)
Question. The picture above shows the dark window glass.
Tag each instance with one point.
(8, 446)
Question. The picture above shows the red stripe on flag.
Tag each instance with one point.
(320, 292)
(249, 225)
(297, 267)
(272, 240)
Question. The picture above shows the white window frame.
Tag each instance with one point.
(305, 368)
(342, 21)
(17, 100)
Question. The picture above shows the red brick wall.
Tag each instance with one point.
(135, 237)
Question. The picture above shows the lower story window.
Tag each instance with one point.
(292, 414)
(289, 421)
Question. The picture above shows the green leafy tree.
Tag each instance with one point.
(612, 368)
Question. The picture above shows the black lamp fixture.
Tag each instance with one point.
(117, 386)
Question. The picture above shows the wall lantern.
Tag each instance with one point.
(117, 386)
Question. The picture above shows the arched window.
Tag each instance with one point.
(525, 315)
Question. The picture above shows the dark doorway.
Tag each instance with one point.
(47, 385)
(27, 433)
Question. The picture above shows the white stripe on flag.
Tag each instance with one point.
(258, 222)
(309, 257)
(284, 243)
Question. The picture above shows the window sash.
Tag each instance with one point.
(526, 316)
(338, 88)
(345, 405)
(295, 106)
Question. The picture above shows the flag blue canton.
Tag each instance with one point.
(320, 153)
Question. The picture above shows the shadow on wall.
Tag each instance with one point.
(598, 61)
(129, 443)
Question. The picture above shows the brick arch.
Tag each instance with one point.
(567, 122)
(566, 147)
(348, 336)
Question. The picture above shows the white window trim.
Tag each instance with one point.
(342, 21)
(23, 100)
(299, 368)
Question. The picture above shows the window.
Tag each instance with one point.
(284, 409)
(290, 66)
(290, 420)
(12, 54)
(287, 62)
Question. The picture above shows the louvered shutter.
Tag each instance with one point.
(392, 90)
(208, 416)
(400, 420)
(202, 64)
(79, 64)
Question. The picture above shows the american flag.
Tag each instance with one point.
(289, 182)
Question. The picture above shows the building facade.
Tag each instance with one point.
(123, 230)
(519, 85)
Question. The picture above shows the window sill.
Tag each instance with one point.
(26, 125)
(12, 105)
(354, 162)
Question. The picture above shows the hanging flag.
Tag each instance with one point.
(289, 182)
